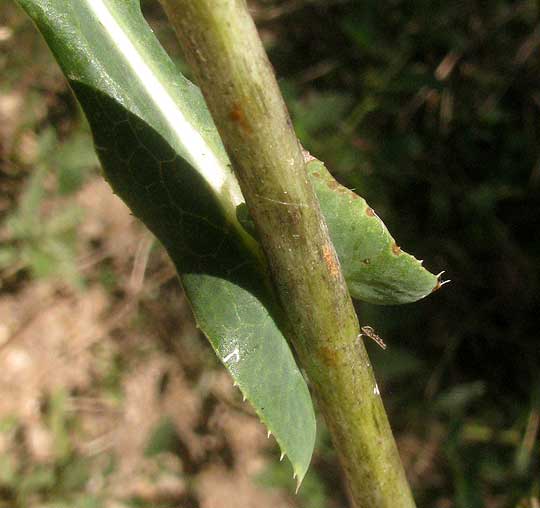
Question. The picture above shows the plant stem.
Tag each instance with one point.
(222, 45)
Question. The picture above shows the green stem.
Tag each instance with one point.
(222, 45)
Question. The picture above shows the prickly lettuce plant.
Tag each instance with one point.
(162, 154)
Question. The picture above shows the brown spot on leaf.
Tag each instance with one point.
(317, 174)
(396, 249)
(370, 212)
(332, 184)
(366, 261)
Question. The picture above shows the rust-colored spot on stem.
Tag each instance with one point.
(328, 356)
(238, 117)
(396, 249)
(330, 260)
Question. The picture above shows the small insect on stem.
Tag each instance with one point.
(368, 331)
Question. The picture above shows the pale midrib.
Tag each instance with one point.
(201, 155)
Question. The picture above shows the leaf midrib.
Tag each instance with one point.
(198, 153)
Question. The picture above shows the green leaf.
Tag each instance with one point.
(375, 268)
(161, 153)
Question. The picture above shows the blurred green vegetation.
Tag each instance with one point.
(431, 111)
(44, 243)
(59, 482)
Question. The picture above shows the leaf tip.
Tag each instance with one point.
(440, 283)
(298, 483)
